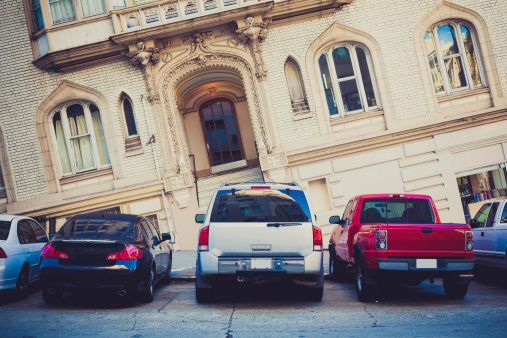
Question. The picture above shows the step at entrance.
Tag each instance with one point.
(208, 184)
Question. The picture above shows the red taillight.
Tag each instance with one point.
(130, 252)
(2, 253)
(317, 238)
(49, 251)
(203, 238)
(260, 187)
(382, 239)
(469, 245)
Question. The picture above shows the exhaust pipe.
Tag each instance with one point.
(241, 279)
(51, 291)
(122, 293)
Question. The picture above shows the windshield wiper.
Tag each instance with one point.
(285, 224)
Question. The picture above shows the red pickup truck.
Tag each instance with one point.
(399, 237)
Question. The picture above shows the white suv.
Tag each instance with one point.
(259, 232)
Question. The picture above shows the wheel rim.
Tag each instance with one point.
(331, 265)
(359, 277)
(152, 276)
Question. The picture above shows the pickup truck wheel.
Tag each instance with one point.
(336, 267)
(454, 289)
(203, 295)
(365, 292)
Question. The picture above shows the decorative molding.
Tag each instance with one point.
(181, 197)
(276, 175)
(254, 34)
(178, 181)
(142, 57)
(273, 161)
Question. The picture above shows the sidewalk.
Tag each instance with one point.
(184, 264)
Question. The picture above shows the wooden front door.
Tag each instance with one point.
(221, 131)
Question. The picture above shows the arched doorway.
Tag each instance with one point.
(221, 131)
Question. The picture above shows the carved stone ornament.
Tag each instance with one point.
(143, 56)
(178, 181)
(181, 197)
(273, 161)
(253, 34)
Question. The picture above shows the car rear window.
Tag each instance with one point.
(88, 228)
(5, 226)
(403, 211)
(260, 205)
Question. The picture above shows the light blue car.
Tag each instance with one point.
(21, 240)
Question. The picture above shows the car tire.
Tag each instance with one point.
(365, 292)
(314, 294)
(454, 288)
(336, 267)
(51, 298)
(166, 280)
(203, 295)
(146, 296)
(22, 283)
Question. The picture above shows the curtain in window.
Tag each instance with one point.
(294, 81)
(92, 7)
(62, 146)
(80, 139)
(61, 11)
(99, 135)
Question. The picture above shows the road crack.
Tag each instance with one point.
(371, 316)
(163, 307)
(228, 334)
(134, 326)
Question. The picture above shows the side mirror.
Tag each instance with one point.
(199, 218)
(166, 237)
(334, 219)
(51, 237)
(472, 222)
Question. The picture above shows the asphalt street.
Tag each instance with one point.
(421, 311)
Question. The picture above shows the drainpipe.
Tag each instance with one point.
(166, 210)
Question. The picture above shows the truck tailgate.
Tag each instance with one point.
(425, 240)
(259, 239)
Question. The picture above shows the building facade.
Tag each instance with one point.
(145, 107)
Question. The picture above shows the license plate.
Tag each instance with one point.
(426, 263)
(263, 264)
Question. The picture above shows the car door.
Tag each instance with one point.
(27, 240)
(478, 223)
(343, 248)
(489, 229)
(161, 249)
(41, 238)
(152, 244)
(501, 232)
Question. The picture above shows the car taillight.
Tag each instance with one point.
(203, 238)
(2, 253)
(49, 251)
(317, 238)
(382, 239)
(469, 245)
(130, 252)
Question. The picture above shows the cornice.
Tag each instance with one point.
(308, 156)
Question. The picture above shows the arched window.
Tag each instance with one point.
(130, 121)
(80, 137)
(348, 79)
(452, 53)
(296, 88)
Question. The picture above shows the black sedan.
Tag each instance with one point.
(120, 253)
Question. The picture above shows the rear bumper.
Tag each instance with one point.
(125, 275)
(311, 264)
(410, 264)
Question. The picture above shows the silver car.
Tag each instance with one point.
(21, 240)
(258, 233)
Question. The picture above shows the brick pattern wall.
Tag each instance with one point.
(23, 87)
(392, 24)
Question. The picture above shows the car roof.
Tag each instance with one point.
(108, 216)
(251, 185)
(393, 196)
(6, 217)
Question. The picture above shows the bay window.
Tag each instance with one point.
(348, 80)
(80, 138)
(61, 11)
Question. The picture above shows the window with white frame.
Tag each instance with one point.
(452, 52)
(128, 113)
(347, 77)
(92, 7)
(80, 139)
(61, 11)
